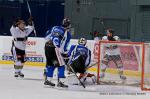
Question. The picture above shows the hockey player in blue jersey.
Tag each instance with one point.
(56, 42)
(79, 59)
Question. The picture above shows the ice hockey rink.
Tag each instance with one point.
(31, 87)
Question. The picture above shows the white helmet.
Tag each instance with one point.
(116, 38)
(104, 38)
(82, 41)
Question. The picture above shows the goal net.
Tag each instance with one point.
(133, 56)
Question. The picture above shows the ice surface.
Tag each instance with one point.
(31, 87)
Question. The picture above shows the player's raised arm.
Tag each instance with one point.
(30, 27)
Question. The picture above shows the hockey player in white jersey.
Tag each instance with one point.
(112, 53)
(20, 33)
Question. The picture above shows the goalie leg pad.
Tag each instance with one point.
(78, 65)
(61, 71)
(50, 71)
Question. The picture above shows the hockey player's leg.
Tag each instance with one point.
(20, 72)
(103, 68)
(120, 72)
(50, 66)
(22, 60)
(44, 74)
(18, 56)
(61, 77)
(83, 77)
(18, 68)
(119, 65)
(49, 75)
(92, 76)
(104, 65)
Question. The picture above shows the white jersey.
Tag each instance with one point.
(111, 51)
(17, 33)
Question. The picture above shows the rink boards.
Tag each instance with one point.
(35, 54)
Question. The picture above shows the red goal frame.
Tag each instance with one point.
(129, 43)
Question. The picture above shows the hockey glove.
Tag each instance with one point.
(30, 20)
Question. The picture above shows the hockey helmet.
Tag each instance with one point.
(116, 38)
(110, 32)
(82, 41)
(66, 23)
(18, 21)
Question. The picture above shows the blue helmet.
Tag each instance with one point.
(66, 22)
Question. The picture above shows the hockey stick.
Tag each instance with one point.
(92, 65)
(76, 76)
(102, 23)
(59, 57)
(29, 9)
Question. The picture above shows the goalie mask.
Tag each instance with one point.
(82, 41)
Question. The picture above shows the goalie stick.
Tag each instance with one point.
(76, 76)
(92, 65)
(29, 9)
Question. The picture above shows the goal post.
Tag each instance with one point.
(135, 58)
(145, 80)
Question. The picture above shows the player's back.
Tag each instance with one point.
(58, 29)
(79, 50)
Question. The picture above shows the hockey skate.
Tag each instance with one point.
(16, 74)
(102, 75)
(60, 84)
(49, 83)
(19, 74)
(123, 77)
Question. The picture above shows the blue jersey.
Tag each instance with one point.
(77, 50)
(60, 37)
